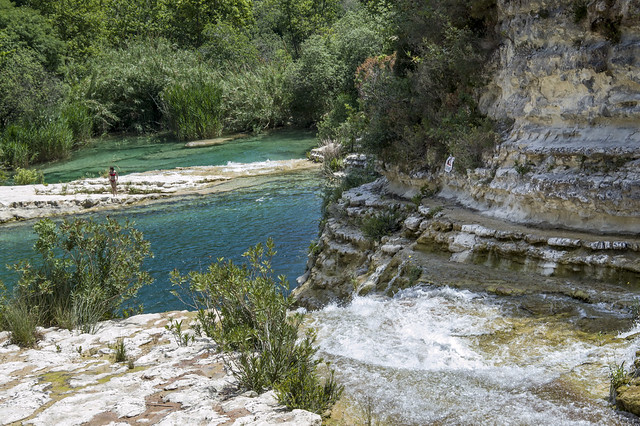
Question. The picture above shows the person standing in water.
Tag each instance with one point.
(113, 179)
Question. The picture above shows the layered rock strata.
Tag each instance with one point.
(567, 76)
(442, 243)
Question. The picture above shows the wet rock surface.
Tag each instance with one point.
(443, 243)
(72, 379)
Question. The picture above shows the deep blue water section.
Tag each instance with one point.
(190, 233)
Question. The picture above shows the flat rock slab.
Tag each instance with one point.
(215, 141)
(72, 378)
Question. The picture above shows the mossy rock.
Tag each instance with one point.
(628, 399)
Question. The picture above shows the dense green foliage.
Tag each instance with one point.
(419, 102)
(398, 77)
(245, 310)
(88, 272)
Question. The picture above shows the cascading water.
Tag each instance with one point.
(443, 356)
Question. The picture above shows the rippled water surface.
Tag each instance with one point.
(190, 233)
(453, 357)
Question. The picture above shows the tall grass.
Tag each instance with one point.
(42, 140)
(193, 110)
(256, 99)
(21, 320)
(79, 120)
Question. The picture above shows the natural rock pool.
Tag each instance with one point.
(428, 355)
(188, 233)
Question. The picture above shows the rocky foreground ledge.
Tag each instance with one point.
(72, 378)
(85, 195)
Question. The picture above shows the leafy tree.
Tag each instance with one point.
(25, 29)
(185, 20)
(422, 106)
(297, 20)
(88, 272)
(228, 46)
(313, 80)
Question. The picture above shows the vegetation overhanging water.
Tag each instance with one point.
(191, 232)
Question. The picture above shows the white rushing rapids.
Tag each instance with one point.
(445, 356)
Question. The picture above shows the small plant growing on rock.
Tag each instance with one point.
(120, 351)
(27, 176)
(381, 224)
(21, 321)
(182, 339)
(617, 378)
(522, 169)
(433, 212)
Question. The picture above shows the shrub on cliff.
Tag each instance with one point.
(88, 272)
(245, 310)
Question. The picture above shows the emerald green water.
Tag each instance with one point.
(191, 232)
(140, 154)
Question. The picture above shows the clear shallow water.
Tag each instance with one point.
(190, 233)
(140, 154)
(445, 356)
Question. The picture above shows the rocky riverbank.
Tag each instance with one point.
(86, 195)
(72, 378)
(439, 242)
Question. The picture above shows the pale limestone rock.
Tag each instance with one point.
(89, 386)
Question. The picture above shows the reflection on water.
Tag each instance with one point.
(191, 233)
(444, 356)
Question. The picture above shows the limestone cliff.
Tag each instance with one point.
(566, 76)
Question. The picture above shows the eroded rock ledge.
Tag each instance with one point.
(73, 379)
(443, 243)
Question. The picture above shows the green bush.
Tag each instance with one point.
(88, 272)
(193, 110)
(79, 120)
(384, 223)
(124, 86)
(419, 103)
(15, 153)
(21, 320)
(51, 140)
(27, 176)
(244, 309)
(41, 140)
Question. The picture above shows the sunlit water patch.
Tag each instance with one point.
(144, 153)
(444, 356)
(190, 233)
